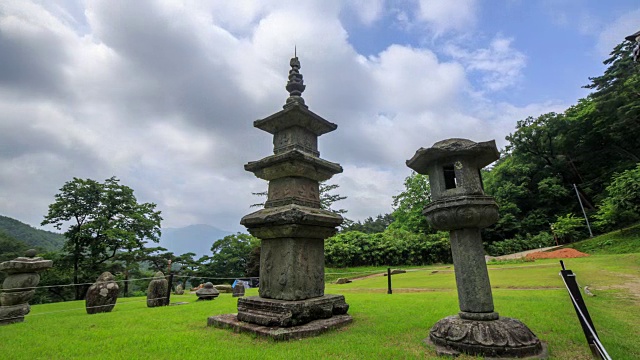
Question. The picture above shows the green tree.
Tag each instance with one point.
(128, 262)
(370, 225)
(102, 219)
(617, 103)
(568, 227)
(408, 205)
(622, 205)
(231, 256)
(10, 248)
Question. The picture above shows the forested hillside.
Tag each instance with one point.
(590, 153)
(594, 144)
(10, 248)
(31, 236)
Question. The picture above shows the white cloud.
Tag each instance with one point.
(163, 95)
(615, 32)
(500, 65)
(446, 15)
(368, 11)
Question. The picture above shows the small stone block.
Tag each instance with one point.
(311, 329)
(13, 314)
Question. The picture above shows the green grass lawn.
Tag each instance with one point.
(622, 241)
(385, 326)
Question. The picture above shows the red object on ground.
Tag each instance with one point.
(557, 254)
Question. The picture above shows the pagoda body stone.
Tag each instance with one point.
(102, 295)
(19, 287)
(238, 290)
(292, 226)
(460, 206)
(157, 290)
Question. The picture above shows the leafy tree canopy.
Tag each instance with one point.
(231, 256)
(408, 205)
(101, 219)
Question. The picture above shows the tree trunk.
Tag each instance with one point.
(75, 278)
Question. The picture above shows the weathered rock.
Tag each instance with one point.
(396, 271)
(224, 288)
(238, 290)
(341, 281)
(19, 286)
(270, 312)
(102, 295)
(157, 291)
(208, 292)
(179, 289)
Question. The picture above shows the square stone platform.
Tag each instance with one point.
(310, 329)
(286, 313)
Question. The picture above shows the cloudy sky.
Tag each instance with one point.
(163, 94)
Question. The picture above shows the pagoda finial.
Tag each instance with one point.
(295, 85)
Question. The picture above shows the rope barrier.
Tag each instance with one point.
(194, 276)
(216, 278)
(64, 285)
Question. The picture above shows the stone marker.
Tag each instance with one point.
(396, 272)
(224, 288)
(157, 290)
(207, 292)
(179, 289)
(292, 228)
(19, 287)
(238, 290)
(102, 295)
(460, 206)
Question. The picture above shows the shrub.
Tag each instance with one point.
(622, 205)
(391, 247)
(567, 228)
(543, 239)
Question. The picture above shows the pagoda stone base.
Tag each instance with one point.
(13, 314)
(313, 328)
(282, 313)
(503, 338)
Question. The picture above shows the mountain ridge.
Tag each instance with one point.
(29, 235)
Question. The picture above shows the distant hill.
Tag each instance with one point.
(193, 238)
(31, 236)
(10, 248)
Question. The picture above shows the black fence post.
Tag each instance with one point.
(168, 301)
(389, 291)
(580, 307)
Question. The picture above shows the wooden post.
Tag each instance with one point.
(389, 291)
(168, 301)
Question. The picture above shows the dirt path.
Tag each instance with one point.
(523, 253)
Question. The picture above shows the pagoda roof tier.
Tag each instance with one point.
(483, 153)
(292, 221)
(293, 163)
(295, 114)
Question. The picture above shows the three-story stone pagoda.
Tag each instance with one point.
(292, 228)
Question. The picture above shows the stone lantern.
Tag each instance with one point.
(460, 206)
(292, 228)
(19, 287)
